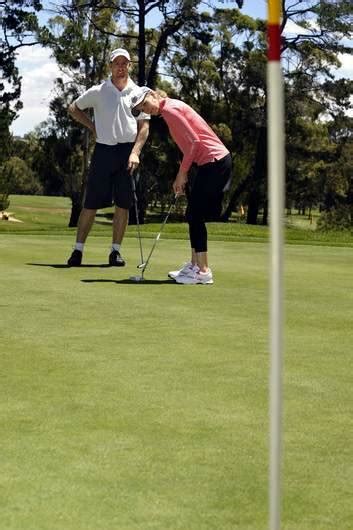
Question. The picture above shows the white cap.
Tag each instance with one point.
(119, 52)
(138, 96)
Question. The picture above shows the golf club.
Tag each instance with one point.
(137, 278)
(144, 265)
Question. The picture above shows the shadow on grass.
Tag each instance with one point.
(102, 280)
(65, 266)
(128, 281)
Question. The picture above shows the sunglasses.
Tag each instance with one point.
(135, 112)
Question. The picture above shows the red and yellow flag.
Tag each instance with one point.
(273, 30)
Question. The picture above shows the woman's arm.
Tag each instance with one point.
(180, 127)
(179, 182)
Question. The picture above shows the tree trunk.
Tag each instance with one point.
(265, 214)
(253, 207)
(234, 199)
(77, 196)
(141, 43)
(252, 182)
(258, 181)
(76, 207)
(350, 198)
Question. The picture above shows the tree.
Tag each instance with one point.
(315, 98)
(81, 37)
(59, 160)
(216, 61)
(16, 177)
(222, 74)
(311, 92)
(19, 24)
(82, 52)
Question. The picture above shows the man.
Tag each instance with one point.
(119, 141)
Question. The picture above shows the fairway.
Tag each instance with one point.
(144, 406)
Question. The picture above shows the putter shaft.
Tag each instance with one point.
(144, 265)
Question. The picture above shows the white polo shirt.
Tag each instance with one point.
(112, 112)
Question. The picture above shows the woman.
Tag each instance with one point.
(202, 147)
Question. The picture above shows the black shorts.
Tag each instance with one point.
(206, 190)
(109, 181)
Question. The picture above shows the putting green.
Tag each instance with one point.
(136, 406)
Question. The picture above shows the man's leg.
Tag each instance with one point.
(120, 220)
(85, 223)
(123, 198)
(84, 226)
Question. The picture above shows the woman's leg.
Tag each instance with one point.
(198, 241)
(205, 204)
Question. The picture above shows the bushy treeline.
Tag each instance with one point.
(216, 62)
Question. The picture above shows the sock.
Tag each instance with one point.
(116, 246)
(79, 246)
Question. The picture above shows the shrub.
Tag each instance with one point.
(4, 201)
(339, 218)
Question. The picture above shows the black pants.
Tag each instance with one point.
(205, 195)
(109, 181)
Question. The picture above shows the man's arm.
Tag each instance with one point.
(81, 117)
(143, 127)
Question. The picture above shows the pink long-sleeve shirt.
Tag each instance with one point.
(194, 137)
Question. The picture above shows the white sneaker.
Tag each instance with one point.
(195, 276)
(184, 270)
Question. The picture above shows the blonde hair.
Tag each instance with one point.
(160, 93)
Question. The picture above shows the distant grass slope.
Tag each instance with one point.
(50, 215)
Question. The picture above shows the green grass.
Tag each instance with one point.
(50, 215)
(145, 406)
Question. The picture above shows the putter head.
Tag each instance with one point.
(136, 279)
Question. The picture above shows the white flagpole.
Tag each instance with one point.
(276, 181)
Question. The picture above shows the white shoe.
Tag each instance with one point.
(184, 270)
(195, 276)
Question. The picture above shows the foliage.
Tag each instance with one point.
(18, 24)
(4, 201)
(339, 218)
(82, 51)
(17, 177)
(215, 60)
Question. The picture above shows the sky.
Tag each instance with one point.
(39, 70)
